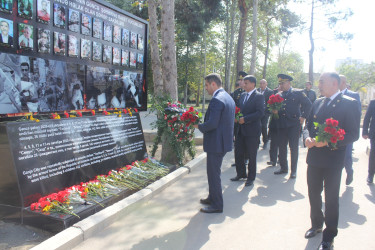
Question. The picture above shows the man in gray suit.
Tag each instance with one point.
(217, 132)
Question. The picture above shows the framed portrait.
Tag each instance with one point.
(116, 34)
(125, 58)
(133, 59)
(73, 46)
(139, 61)
(44, 41)
(59, 43)
(133, 40)
(116, 56)
(107, 36)
(6, 35)
(86, 25)
(6, 6)
(59, 15)
(85, 49)
(97, 28)
(43, 11)
(107, 54)
(73, 23)
(25, 36)
(125, 37)
(97, 51)
(25, 9)
(140, 42)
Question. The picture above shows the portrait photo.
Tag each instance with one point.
(59, 43)
(73, 23)
(25, 9)
(116, 34)
(125, 58)
(85, 49)
(73, 46)
(44, 41)
(125, 37)
(139, 61)
(107, 54)
(97, 51)
(140, 42)
(59, 15)
(6, 35)
(25, 36)
(116, 56)
(86, 25)
(43, 11)
(133, 59)
(107, 32)
(6, 6)
(133, 40)
(97, 28)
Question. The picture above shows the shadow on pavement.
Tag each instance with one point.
(349, 210)
(372, 196)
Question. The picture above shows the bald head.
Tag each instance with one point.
(263, 84)
(343, 82)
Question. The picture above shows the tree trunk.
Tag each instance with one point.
(264, 73)
(204, 70)
(229, 65)
(254, 38)
(241, 33)
(227, 62)
(186, 73)
(155, 57)
(169, 65)
(311, 51)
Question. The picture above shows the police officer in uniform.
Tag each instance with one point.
(293, 113)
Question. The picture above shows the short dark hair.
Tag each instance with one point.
(308, 82)
(336, 76)
(242, 73)
(214, 77)
(251, 79)
(25, 64)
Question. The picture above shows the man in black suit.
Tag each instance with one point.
(247, 138)
(217, 132)
(325, 163)
(369, 132)
(309, 92)
(4, 35)
(266, 92)
(293, 113)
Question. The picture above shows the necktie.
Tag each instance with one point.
(246, 98)
(327, 101)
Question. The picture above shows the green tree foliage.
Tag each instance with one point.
(359, 75)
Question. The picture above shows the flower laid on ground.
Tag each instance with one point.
(55, 116)
(238, 114)
(31, 118)
(92, 112)
(66, 114)
(329, 132)
(275, 103)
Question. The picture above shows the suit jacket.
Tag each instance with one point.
(218, 123)
(10, 39)
(369, 121)
(354, 95)
(267, 93)
(343, 109)
(296, 105)
(310, 94)
(253, 111)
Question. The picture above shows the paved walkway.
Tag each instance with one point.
(272, 214)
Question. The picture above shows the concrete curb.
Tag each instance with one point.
(73, 236)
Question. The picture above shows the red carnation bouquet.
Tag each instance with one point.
(238, 114)
(329, 132)
(275, 103)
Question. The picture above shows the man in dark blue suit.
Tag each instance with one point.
(369, 132)
(293, 113)
(348, 162)
(325, 163)
(247, 137)
(217, 132)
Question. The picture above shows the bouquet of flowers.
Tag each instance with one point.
(329, 132)
(238, 114)
(275, 103)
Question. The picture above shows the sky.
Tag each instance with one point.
(328, 50)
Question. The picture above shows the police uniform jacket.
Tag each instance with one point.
(369, 121)
(236, 96)
(296, 105)
(267, 93)
(344, 110)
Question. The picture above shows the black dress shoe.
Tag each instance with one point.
(326, 245)
(210, 210)
(370, 180)
(349, 179)
(280, 172)
(293, 175)
(249, 183)
(205, 201)
(271, 163)
(312, 232)
(237, 178)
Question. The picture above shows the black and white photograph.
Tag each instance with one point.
(139, 61)
(75, 92)
(59, 43)
(44, 41)
(25, 36)
(97, 28)
(133, 59)
(125, 58)
(98, 92)
(73, 46)
(25, 9)
(107, 54)
(116, 34)
(107, 36)
(125, 37)
(140, 42)
(59, 16)
(116, 56)
(132, 87)
(6, 35)
(133, 40)
(6, 6)
(73, 23)
(86, 25)
(85, 49)
(43, 11)
(97, 51)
